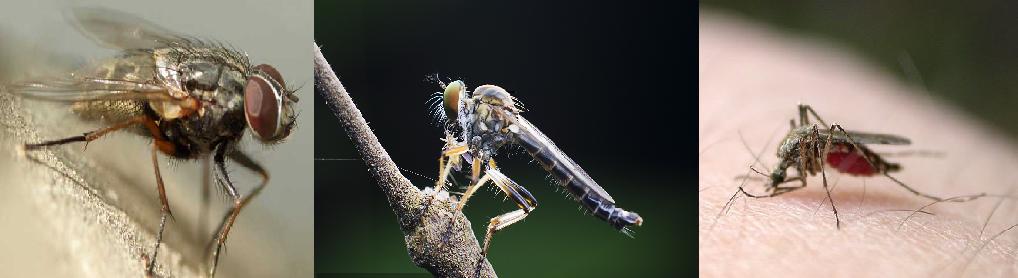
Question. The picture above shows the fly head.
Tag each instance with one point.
(268, 105)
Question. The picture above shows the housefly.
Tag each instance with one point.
(194, 98)
(478, 125)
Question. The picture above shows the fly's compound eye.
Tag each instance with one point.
(273, 73)
(453, 92)
(262, 107)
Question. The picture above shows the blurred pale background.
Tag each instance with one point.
(48, 229)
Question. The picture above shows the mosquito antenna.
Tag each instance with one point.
(756, 155)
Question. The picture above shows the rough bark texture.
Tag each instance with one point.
(438, 238)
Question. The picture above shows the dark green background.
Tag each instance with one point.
(963, 52)
(601, 79)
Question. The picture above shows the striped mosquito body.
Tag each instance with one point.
(478, 125)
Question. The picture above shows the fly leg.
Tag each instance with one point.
(91, 135)
(523, 199)
(453, 152)
(239, 201)
(159, 144)
(475, 183)
(164, 211)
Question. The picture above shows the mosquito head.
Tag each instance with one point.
(777, 177)
(268, 105)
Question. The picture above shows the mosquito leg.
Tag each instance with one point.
(803, 109)
(871, 162)
(89, 136)
(164, 211)
(823, 170)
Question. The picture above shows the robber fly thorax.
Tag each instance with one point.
(479, 124)
(195, 98)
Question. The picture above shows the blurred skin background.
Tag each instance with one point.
(960, 52)
(272, 237)
(594, 79)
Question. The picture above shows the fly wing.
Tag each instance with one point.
(88, 89)
(119, 30)
(866, 138)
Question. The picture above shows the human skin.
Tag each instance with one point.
(751, 80)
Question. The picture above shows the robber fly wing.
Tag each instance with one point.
(868, 138)
(118, 30)
(89, 89)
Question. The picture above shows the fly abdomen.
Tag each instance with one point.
(617, 217)
(569, 175)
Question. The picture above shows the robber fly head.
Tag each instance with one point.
(268, 105)
(459, 106)
(453, 99)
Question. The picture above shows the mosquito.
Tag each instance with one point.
(807, 147)
(478, 125)
(194, 98)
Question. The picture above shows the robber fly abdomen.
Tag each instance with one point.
(569, 174)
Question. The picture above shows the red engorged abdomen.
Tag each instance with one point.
(849, 162)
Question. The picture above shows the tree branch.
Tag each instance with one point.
(438, 237)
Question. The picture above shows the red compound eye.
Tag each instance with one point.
(272, 72)
(261, 107)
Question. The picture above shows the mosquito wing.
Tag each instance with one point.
(119, 30)
(866, 138)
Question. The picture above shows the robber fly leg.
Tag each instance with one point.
(823, 170)
(523, 199)
(91, 135)
(470, 191)
(164, 211)
(453, 153)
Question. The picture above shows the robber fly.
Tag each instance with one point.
(478, 125)
(194, 98)
(807, 147)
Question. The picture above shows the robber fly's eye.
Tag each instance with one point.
(272, 72)
(451, 97)
(262, 103)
